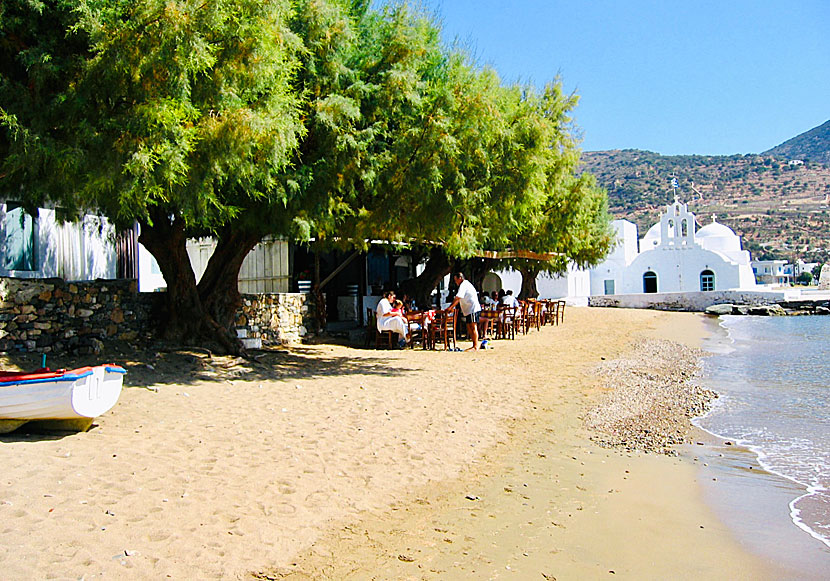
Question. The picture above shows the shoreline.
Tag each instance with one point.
(754, 504)
(746, 487)
(326, 461)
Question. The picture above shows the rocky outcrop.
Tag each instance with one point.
(772, 310)
(717, 310)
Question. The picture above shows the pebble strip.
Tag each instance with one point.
(652, 398)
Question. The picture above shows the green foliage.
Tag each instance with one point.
(324, 119)
(177, 106)
(804, 278)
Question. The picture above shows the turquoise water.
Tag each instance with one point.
(773, 377)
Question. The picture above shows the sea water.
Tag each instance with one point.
(773, 378)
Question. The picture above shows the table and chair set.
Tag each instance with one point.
(437, 329)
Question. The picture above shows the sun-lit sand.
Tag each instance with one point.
(326, 461)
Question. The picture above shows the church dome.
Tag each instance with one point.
(651, 239)
(715, 229)
(717, 236)
(653, 232)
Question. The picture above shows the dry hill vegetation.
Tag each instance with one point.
(782, 210)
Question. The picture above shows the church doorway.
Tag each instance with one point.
(650, 282)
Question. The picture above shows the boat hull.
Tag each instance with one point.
(79, 394)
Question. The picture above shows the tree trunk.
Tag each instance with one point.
(529, 290)
(184, 320)
(219, 285)
(420, 288)
(477, 269)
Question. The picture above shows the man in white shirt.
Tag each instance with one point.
(467, 297)
(509, 300)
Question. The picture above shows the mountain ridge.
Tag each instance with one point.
(812, 145)
(778, 202)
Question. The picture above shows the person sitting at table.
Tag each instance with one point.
(509, 300)
(467, 297)
(486, 301)
(390, 320)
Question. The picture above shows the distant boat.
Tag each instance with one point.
(58, 400)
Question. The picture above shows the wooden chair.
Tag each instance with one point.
(443, 329)
(382, 339)
(561, 311)
(552, 313)
(520, 320)
(417, 334)
(534, 314)
(506, 326)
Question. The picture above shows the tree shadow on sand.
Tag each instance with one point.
(150, 367)
(153, 368)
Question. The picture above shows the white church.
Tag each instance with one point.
(674, 256)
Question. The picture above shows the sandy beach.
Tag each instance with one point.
(330, 462)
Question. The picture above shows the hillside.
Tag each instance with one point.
(812, 145)
(781, 210)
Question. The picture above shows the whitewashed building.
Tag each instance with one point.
(42, 246)
(772, 272)
(674, 256)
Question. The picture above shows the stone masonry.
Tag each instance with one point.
(52, 315)
(276, 318)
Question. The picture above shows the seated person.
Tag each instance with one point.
(487, 301)
(509, 300)
(391, 320)
(408, 303)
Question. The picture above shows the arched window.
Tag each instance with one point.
(707, 280)
(684, 226)
(650, 282)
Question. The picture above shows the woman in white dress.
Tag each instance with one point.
(389, 320)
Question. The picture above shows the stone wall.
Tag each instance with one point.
(275, 319)
(51, 315)
(693, 301)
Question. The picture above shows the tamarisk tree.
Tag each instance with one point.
(176, 115)
(311, 119)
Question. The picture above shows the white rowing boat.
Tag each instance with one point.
(66, 399)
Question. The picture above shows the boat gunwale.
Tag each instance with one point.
(58, 376)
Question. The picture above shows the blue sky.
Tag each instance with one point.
(675, 77)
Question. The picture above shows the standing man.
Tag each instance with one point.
(467, 297)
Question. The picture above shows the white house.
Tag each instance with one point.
(42, 246)
(774, 272)
(575, 284)
(674, 256)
